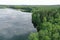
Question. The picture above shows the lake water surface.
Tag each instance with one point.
(15, 25)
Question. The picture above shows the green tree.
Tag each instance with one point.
(33, 36)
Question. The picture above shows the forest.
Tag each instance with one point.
(47, 22)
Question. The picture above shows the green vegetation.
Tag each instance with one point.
(22, 8)
(47, 22)
(28, 8)
(33, 36)
(18, 7)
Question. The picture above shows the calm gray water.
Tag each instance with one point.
(15, 25)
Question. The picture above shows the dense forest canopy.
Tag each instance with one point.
(47, 22)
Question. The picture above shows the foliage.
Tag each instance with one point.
(47, 23)
(33, 36)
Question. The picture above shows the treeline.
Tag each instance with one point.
(47, 22)
(22, 8)
(18, 7)
(28, 8)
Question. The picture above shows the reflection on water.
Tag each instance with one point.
(15, 25)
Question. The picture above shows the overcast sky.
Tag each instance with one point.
(29, 2)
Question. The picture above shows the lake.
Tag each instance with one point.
(15, 24)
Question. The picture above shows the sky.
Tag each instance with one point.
(29, 2)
